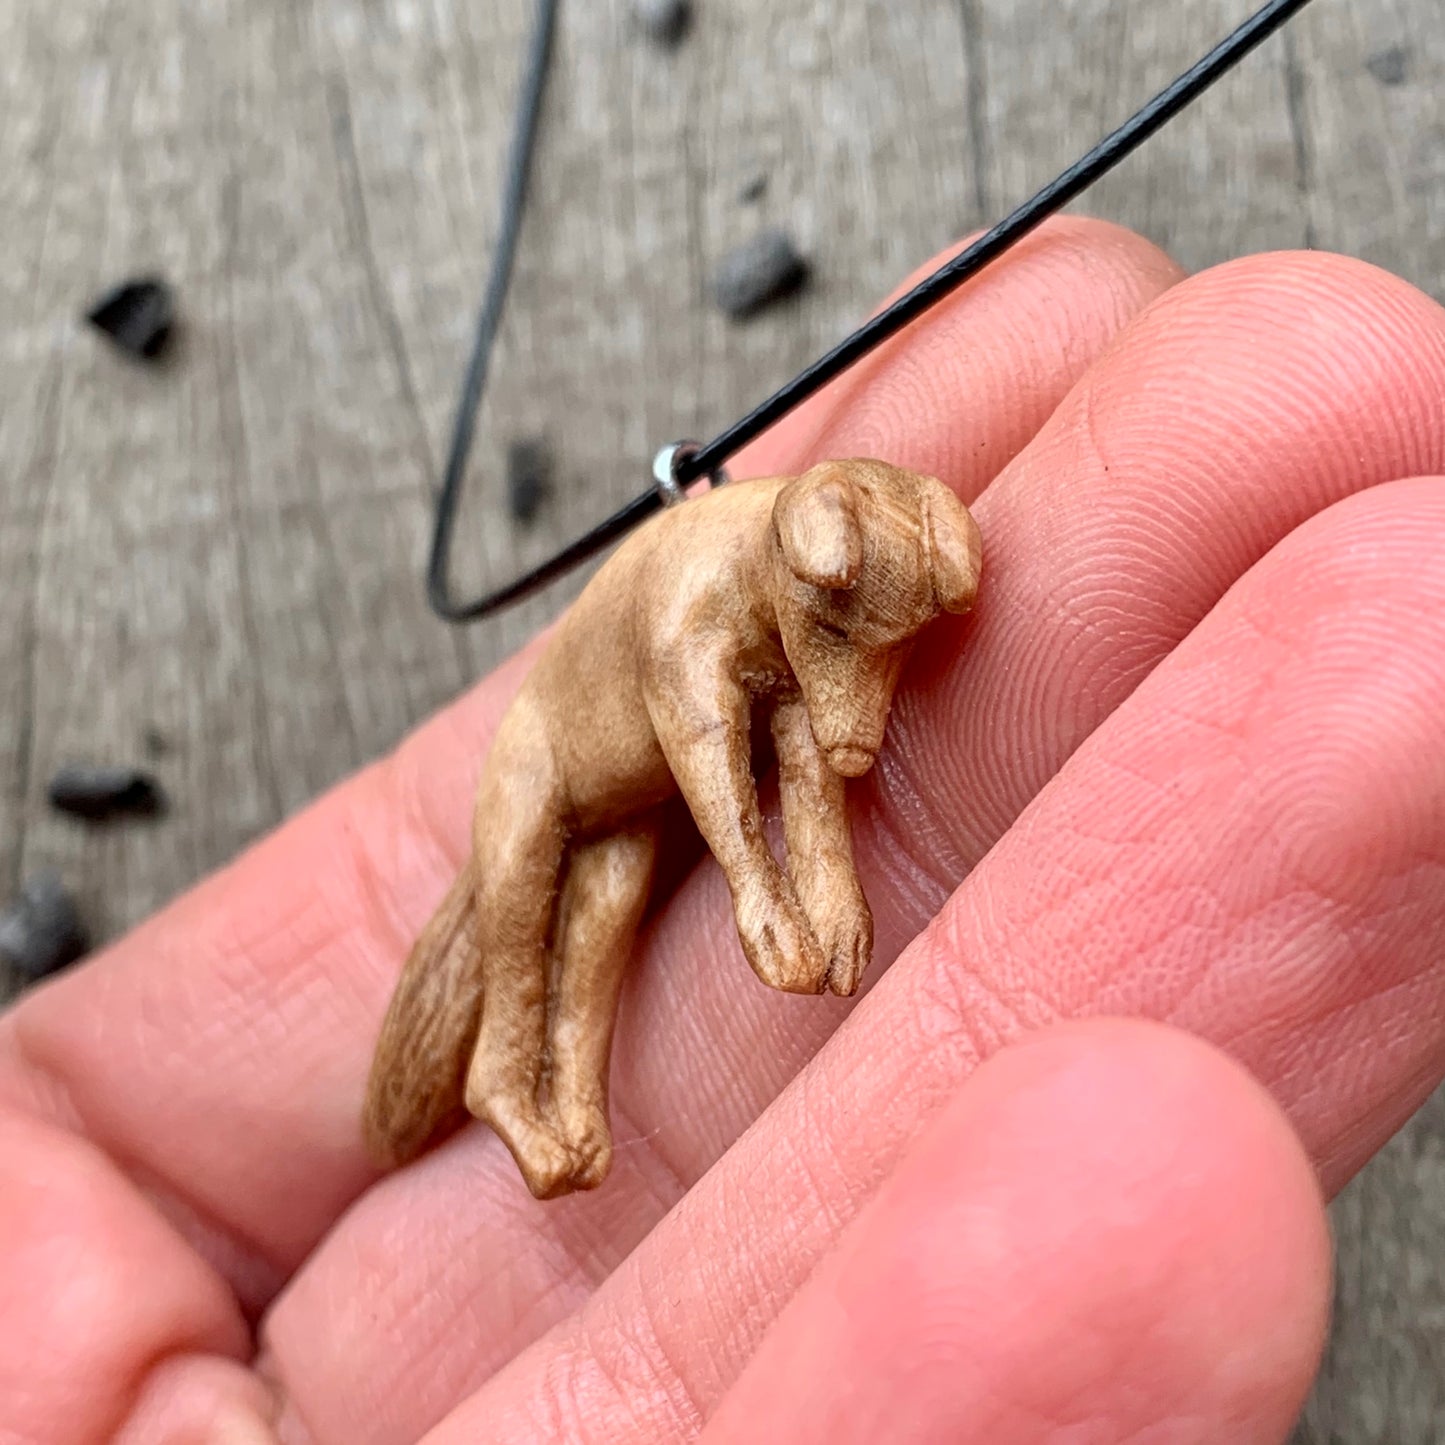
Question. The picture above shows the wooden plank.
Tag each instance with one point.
(609, 326)
(583, 344)
(1302, 145)
(1372, 130)
(1382, 1376)
(121, 573)
(229, 551)
(858, 118)
(1221, 179)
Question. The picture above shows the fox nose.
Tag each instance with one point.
(850, 762)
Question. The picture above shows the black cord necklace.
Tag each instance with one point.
(683, 463)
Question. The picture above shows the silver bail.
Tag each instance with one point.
(665, 466)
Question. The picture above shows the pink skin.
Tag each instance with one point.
(1248, 846)
(1109, 1233)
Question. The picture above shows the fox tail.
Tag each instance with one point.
(419, 1068)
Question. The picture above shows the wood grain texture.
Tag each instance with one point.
(228, 550)
(789, 603)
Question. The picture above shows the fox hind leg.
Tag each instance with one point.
(519, 842)
(603, 899)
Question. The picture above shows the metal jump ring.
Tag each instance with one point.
(668, 462)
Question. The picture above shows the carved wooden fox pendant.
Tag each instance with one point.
(796, 599)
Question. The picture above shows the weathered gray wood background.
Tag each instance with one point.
(227, 553)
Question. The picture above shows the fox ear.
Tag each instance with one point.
(815, 520)
(954, 549)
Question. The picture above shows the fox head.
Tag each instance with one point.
(865, 554)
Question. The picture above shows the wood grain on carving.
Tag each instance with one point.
(797, 598)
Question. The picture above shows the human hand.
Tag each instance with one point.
(1184, 763)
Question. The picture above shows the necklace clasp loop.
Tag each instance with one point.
(666, 465)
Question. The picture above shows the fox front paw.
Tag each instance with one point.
(781, 947)
(847, 939)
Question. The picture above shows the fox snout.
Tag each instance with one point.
(850, 762)
(848, 721)
(848, 701)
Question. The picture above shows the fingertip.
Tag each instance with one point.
(1312, 287)
(1110, 1226)
(202, 1398)
(95, 1288)
(1132, 1184)
(1302, 353)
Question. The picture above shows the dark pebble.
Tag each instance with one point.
(99, 792)
(529, 478)
(138, 316)
(758, 273)
(157, 745)
(665, 21)
(1390, 66)
(753, 189)
(41, 931)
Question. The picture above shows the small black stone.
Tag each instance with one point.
(157, 745)
(665, 21)
(753, 189)
(41, 931)
(758, 273)
(1390, 66)
(529, 477)
(102, 792)
(137, 316)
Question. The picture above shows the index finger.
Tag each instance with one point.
(219, 1052)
